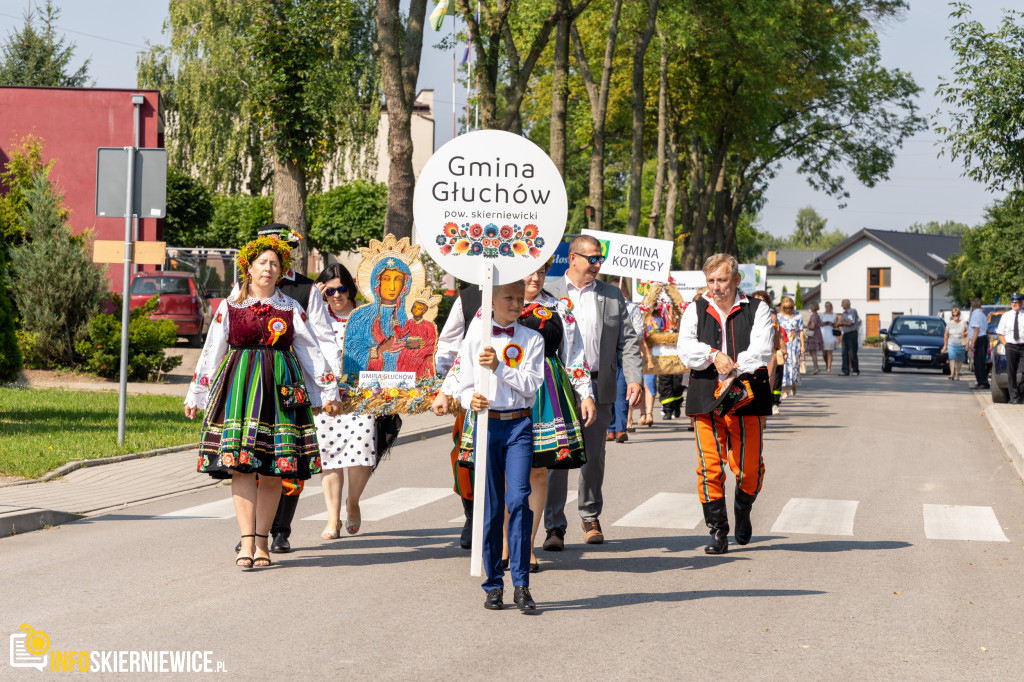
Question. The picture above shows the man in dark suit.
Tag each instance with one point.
(607, 332)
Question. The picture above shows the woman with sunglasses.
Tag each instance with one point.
(346, 441)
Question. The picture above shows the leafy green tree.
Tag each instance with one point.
(949, 228)
(26, 160)
(288, 86)
(56, 286)
(10, 354)
(986, 129)
(348, 216)
(189, 211)
(810, 225)
(236, 219)
(988, 264)
(36, 56)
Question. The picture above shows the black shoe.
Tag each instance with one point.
(666, 416)
(717, 521)
(503, 564)
(742, 506)
(466, 539)
(535, 567)
(495, 599)
(677, 412)
(523, 599)
(555, 540)
(845, 374)
(281, 544)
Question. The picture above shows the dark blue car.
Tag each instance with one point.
(914, 341)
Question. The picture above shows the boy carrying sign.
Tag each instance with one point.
(516, 357)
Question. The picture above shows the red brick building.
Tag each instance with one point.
(73, 123)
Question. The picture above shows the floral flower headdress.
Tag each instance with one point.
(253, 249)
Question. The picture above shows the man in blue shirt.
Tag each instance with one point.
(977, 330)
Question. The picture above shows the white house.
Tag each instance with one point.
(886, 273)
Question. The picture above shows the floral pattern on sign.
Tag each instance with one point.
(491, 240)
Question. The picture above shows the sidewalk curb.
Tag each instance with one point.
(82, 464)
(1007, 436)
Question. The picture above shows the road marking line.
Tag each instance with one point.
(221, 509)
(819, 517)
(393, 502)
(665, 510)
(571, 497)
(955, 522)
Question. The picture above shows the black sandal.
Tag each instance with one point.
(264, 561)
(244, 561)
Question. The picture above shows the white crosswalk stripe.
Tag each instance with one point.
(569, 498)
(679, 511)
(665, 510)
(820, 517)
(955, 522)
(221, 509)
(393, 502)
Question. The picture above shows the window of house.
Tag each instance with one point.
(877, 278)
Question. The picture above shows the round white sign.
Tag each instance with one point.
(490, 198)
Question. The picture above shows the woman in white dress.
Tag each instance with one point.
(347, 442)
(828, 337)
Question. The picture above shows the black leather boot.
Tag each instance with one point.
(742, 506)
(718, 522)
(466, 539)
(281, 529)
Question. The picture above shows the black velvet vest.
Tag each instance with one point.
(700, 395)
(298, 289)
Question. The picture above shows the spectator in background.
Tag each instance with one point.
(977, 328)
(813, 341)
(849, 323)
(953, 343)
(1011, 335)
(829, 333)
(793, 323)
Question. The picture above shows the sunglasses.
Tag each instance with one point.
(593, 260)
(331, 291)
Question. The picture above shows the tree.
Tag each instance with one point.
(949, 228)
(26, 160)
(189, 211)
(10, 354)
(987, 266)
(399, 48)
(643, 39)
(809, 227)
(57, 287)
(35, 57)
(272, 83)
(986, 129)
(348, 216)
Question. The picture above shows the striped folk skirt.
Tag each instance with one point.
(557, 430)
(246, 430)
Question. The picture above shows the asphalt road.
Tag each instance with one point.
(848, 575)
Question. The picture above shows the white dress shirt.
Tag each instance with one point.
(584, 307)
(697, 355)
(1005, 328)
(514, 388)
(450, 339)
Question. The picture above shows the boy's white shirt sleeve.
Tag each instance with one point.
(528, 376)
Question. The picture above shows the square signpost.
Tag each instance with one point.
(130, 183)
(490, 209)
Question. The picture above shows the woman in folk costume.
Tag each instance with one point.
(258, 375)
(564, 404)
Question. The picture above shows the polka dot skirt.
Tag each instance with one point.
(346, 441)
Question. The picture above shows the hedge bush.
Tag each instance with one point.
(147, 339)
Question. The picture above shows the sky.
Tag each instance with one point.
(922, 187)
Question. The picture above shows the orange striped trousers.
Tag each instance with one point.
(732, 437)
(463, 477)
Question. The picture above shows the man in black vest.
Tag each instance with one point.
(725, 339)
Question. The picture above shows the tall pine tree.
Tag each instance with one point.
(36, 56)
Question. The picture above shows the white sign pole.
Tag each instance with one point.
(476, 559)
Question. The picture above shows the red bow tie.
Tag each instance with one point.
(496, 330)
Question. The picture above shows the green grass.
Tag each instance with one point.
(41, 429)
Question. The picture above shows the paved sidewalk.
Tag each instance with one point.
(1007, 421)
(97, 490)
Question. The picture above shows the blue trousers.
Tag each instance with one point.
(620, 408)
(509, 458)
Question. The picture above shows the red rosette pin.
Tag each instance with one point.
(542, 314)
(512, 355)
(277, 327)
(567, 301)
